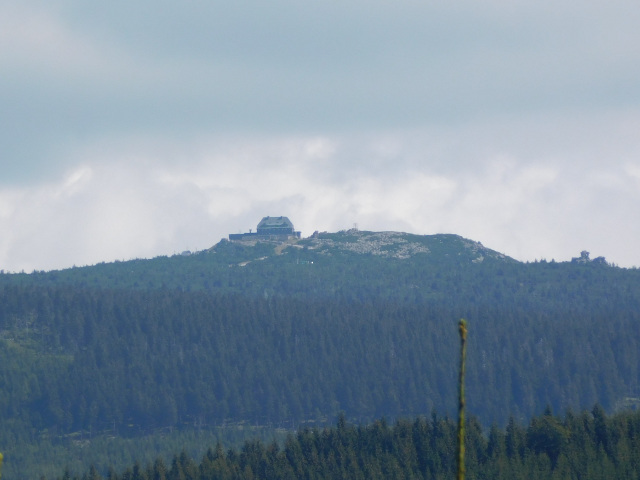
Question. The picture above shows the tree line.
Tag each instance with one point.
(132, 348)
(94, 360)
(588, 445)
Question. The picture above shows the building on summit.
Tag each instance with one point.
(275, 226)
(269, 228)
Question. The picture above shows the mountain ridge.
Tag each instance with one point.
(385, 244)
(275, 333)
(424, 267)
(407, 245)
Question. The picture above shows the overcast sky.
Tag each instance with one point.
(138, 129)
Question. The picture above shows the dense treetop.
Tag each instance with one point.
(292, 334)
(588, 446)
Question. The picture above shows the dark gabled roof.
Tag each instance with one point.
(275, 222)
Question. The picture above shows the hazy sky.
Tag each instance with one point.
(137, 129)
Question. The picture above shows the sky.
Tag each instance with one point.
(139, 129)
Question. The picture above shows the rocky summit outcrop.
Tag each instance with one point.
(398, 245)
(385, 244)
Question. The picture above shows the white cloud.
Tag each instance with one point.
(35, 42)
(137, 129)
(153, 198)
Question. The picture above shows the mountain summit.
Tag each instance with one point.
(399, 245)
(275, 331)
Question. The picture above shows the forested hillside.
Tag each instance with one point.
(293, 334)
(588, 446)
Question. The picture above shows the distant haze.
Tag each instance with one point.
(145, 129)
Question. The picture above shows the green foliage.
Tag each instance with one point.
(247, 335)
(48, 456)
(416, 449)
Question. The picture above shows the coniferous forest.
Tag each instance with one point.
(588, 446)
(263, 343)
